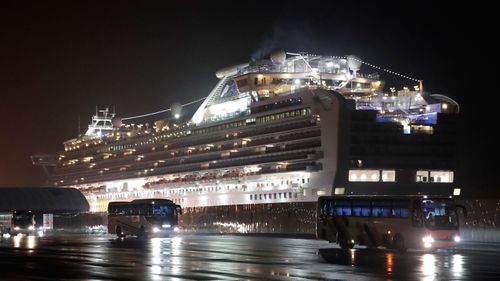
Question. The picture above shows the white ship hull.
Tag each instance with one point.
(279, 132)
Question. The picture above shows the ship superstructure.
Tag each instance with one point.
(275, 131)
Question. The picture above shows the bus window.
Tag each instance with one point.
(381, 208)
(400, 208)
(342, 208)
(361, 208)
(326, 207)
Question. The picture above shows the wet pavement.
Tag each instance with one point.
(227, 257)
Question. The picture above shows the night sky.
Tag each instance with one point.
(59, 60)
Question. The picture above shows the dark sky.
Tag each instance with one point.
(59, 60)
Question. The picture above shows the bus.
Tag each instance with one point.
(395, 222)
(143, 217)
(22, 222)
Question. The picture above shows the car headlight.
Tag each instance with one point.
(31, 227)
(457, 238)
(156, 229)
(16, 228)
(176, 229)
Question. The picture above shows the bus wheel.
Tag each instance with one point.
(386, 241)
(344, 244)
(398, 243)
(119, 232)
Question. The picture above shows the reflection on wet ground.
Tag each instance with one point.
(216, 257)
(448, 265)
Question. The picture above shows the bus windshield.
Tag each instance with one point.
(163, 213)
(21, 218)
(440, 214)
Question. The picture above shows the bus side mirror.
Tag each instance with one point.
(179, 209)
(464, 210)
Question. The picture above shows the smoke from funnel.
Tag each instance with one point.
(176, 110)
(286, 38)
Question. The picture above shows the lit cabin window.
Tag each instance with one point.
(434, 176)
(422, 176)
(388, 175)
(364, 175)
(422, 129)
(441, 176)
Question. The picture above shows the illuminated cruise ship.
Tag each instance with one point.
(272, 136)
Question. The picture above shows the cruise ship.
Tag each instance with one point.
(272, 136)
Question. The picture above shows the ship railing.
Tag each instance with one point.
(228, 188)
(68, 169)
(226, 116)
(275, 131)
(221, 163)
(242, 160)
(189, 190)
(291, 149)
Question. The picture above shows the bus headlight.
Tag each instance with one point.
(31, 227)
(156, 229)
(428, 239)
(176, 229)
(456, 238)
(16, 228)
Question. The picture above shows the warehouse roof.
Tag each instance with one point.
(46, 199)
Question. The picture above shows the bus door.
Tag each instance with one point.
(334, 222)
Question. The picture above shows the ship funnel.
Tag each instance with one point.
(278, 57)
(116, 122)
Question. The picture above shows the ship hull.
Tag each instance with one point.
(298, 218)
(277, 218)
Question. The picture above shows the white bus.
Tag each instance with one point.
(143, 217)
(396, 222)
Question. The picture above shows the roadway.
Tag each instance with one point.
(227, 257)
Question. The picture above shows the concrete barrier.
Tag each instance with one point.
(491, 235)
